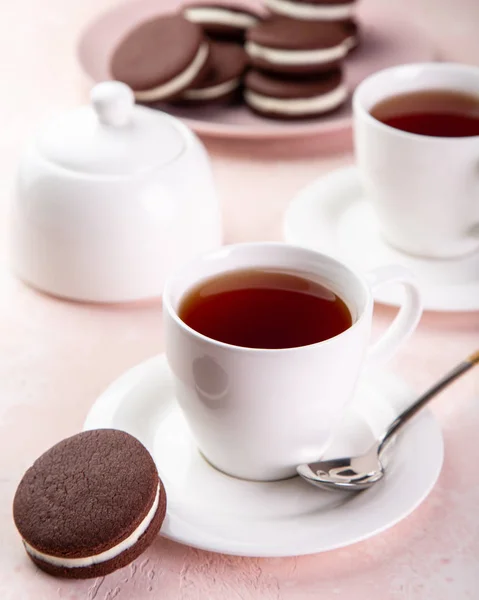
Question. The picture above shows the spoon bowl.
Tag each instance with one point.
(347, 474)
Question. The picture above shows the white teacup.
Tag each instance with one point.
(424, 189)
(257, 414)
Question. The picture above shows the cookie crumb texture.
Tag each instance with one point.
(84, 496)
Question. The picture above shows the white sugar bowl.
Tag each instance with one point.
(110, 199)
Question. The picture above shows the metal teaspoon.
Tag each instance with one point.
(352, 474)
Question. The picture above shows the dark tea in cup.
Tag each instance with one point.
(260, 308)
(437, 113)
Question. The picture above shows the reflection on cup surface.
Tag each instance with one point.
(211, 382)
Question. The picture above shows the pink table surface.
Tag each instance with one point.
(56, 357)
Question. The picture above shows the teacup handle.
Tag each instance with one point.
(407, 318)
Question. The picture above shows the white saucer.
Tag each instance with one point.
(333, 216)
(213, 511)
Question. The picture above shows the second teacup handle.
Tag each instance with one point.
(407, 318)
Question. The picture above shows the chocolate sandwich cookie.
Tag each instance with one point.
(90, 505)
(313, 10)
(159, 59)
(278, 97)
(283, 45)
(223, 82)
(227, 22)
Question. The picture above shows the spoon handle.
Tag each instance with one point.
(409, 412)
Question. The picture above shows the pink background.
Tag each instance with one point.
(56, 357)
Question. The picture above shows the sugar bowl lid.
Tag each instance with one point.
(111, 136)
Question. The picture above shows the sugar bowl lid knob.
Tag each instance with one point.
(113, 103)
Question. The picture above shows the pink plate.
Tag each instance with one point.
(388, 38)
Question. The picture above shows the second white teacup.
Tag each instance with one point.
(257, 413)
(424, 188)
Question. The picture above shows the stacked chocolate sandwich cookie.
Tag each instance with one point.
(320, 11)
(289, 98)
(290, 47)
(161, 58)
(296, 67)
(171, 59)
(223, 82)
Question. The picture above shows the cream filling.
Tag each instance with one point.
(214, 91)
(297, 106)
(87, 561)
(221, 16)
(296, 57)
(178, 83)
(312, 12)
(351, 42)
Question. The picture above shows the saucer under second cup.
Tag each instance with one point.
(333, 215)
